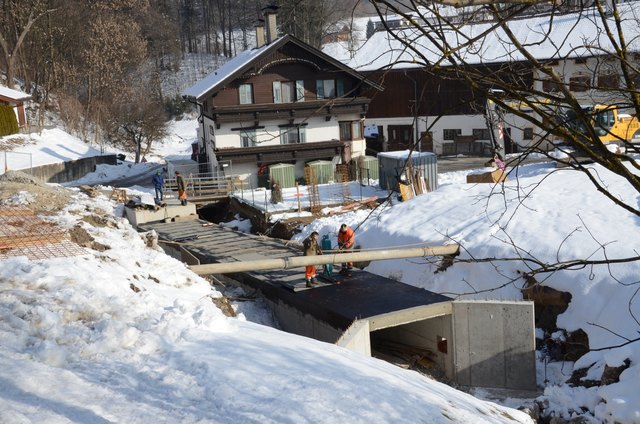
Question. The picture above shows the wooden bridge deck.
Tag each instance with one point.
(361, 296)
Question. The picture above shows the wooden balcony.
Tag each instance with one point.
(287, 153)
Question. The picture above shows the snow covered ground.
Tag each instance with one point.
(130, 335)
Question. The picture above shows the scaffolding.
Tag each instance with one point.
(312, 189)
(342, 177)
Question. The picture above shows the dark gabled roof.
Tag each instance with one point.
(236, 66)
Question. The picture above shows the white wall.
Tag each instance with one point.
(317, 129)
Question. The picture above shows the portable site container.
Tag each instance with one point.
(323, 170)
(392, 168)
(284, 174)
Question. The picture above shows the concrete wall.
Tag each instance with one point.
(294, 321)
(357, 338)
(494, 344)
(69, 171)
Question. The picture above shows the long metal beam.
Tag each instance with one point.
(332, 258)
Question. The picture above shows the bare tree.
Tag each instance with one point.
(17, 19)
(135, 120)
(515, 78)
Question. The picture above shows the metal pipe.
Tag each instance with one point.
(330, 258)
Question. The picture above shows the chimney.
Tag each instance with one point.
(259, 33)
(270, 13)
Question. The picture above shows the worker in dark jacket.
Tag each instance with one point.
(158, 185)
(311, 248)
(346, 241)
(182, 188)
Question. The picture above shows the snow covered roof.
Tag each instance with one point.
(226, 72)
(13, 94)
(545, 37)
(236, 66)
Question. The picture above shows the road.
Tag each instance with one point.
(445, 164)
(143, 180)
(453, 163)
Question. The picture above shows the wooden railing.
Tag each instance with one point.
(202, 187)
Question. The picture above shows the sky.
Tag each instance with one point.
(131, 335)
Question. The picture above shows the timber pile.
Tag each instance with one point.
(496, 176)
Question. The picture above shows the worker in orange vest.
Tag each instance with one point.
(346, 241)
(311, 248)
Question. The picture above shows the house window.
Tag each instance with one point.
(608, 81)
(350, 130)
(292, 135)
(248, 138)
(527, 133)
(481, 134)
(326, 89)
(579, 83)
(580, 60)
(246, 94)
(288, 91)
(550, 86)
(450, 134)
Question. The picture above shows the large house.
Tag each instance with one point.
(281, 102)
(416, 105)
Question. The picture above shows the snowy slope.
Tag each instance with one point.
(130, 335)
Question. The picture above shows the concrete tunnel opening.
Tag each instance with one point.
(422, 346)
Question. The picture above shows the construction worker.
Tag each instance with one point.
(346, 241)
(158, 185)
(311, 248)
(182, 188)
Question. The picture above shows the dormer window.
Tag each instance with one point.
(246, 94)
(327, 89)
(288, 91)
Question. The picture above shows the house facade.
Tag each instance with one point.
(417, 105)
(282, 102)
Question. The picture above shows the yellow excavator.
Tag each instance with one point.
(611, 126)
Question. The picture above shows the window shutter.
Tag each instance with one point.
(299, 91)
(340, 88)
(320, 89)
(277, 92)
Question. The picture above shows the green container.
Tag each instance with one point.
(284, 174)
(368, 169)
(324, 171)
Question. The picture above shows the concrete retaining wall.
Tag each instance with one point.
(494, 344)
(294, 321)
(357, 338)
(69, 171)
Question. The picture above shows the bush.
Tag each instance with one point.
(8, 121)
